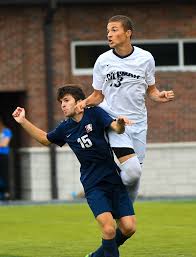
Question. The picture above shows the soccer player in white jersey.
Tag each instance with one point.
(122, 77)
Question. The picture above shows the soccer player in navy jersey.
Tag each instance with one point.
(85, 133)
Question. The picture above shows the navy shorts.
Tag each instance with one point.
(107, 197)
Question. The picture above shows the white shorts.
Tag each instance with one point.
(133, 137)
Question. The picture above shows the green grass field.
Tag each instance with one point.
(165, 229)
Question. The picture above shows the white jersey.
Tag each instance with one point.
(124, 82)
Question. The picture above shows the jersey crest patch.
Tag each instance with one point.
(89, 128)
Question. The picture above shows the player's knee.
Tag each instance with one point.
(130, 228)
(108, 231)
(131, 171)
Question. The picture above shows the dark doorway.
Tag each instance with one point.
(8, 102)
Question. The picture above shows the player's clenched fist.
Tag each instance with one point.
(80, 106)
(19, 114)
(166, 96)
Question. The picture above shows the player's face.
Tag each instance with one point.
(116, 34)
(68, 104)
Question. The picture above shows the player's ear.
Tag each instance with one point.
(129, 33)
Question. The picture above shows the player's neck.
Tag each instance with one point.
(124, 50)
(78, 117)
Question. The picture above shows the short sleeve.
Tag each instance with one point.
(97, 76)
(150, 72)
(56, 136)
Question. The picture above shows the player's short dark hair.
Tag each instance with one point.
(126, 21)
(71, 89)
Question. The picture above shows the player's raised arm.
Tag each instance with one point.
(119, 124)
(32, 130)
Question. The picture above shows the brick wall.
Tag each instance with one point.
(22, 66)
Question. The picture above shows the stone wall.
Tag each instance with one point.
(169, 171)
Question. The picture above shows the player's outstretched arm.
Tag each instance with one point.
(32, 130)
(94, 99)
(160, 96)
(119, 124)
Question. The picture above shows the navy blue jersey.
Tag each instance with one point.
(87, 140)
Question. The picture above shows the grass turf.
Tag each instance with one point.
(165, 229)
